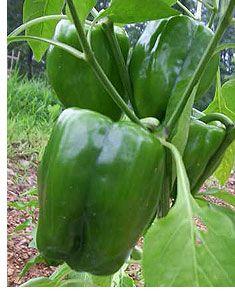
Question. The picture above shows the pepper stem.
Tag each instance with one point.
(170, 124)
(217, 117)
(100, 74)
(117, 53)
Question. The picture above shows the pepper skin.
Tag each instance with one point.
(99, 186)
(163, 62)
(203, 142)
(74, 81)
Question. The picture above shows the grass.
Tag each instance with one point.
(32, 111)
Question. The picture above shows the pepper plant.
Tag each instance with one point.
(129, 154)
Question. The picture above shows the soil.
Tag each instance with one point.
(21, 178)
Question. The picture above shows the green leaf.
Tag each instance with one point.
(223, 101)
(31, 191)
(101, 281)
(37, 8)
(223, 172)
(133, 11)
(76, 283)
(126, 281)
(60, 273)
(32, 243)
(83, 7)
(228, 94)
(32, 262)
(39, 282)
(81, 279)
(121, 279)
(177, 253)
(23, 225)
(222, 194)
(18, 205)
(181, 137)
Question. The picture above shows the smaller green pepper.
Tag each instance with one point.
(203, 142)
(74, 81)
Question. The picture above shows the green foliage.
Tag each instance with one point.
(83, 8)
(224, 103)
(32, 110)
(134, 11)
(36, 8)
(178, 253)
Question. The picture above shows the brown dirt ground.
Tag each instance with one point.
(22, 177)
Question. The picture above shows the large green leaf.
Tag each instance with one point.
(83, 7)
(37, 8)
(224, 103)
(177, 253)
(132, 11)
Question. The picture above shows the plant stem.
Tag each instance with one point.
(198, 14)
(90, 58)
(35, 21)
(170, 124)
(217, 117)
(60, 45)
(224, 46)
(120, 61)
(94, 12)
(164, 203)
(212, 17)
(206, 4)
(185, 9)
(216, 159)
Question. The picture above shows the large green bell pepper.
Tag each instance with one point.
(99, 186)
(203, 142)
(163, 61)
(74, 81)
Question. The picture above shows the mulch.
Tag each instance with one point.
(22, 177)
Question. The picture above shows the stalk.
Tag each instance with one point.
(206, 4)
(90, 58)
(170, 124)
(217, 117)
(60, 45)
(185, 9)
(35, 21)
(117, 53)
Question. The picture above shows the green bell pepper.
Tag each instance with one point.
(73, 80)
(99, 186)
(163, 61)
(203, 142)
